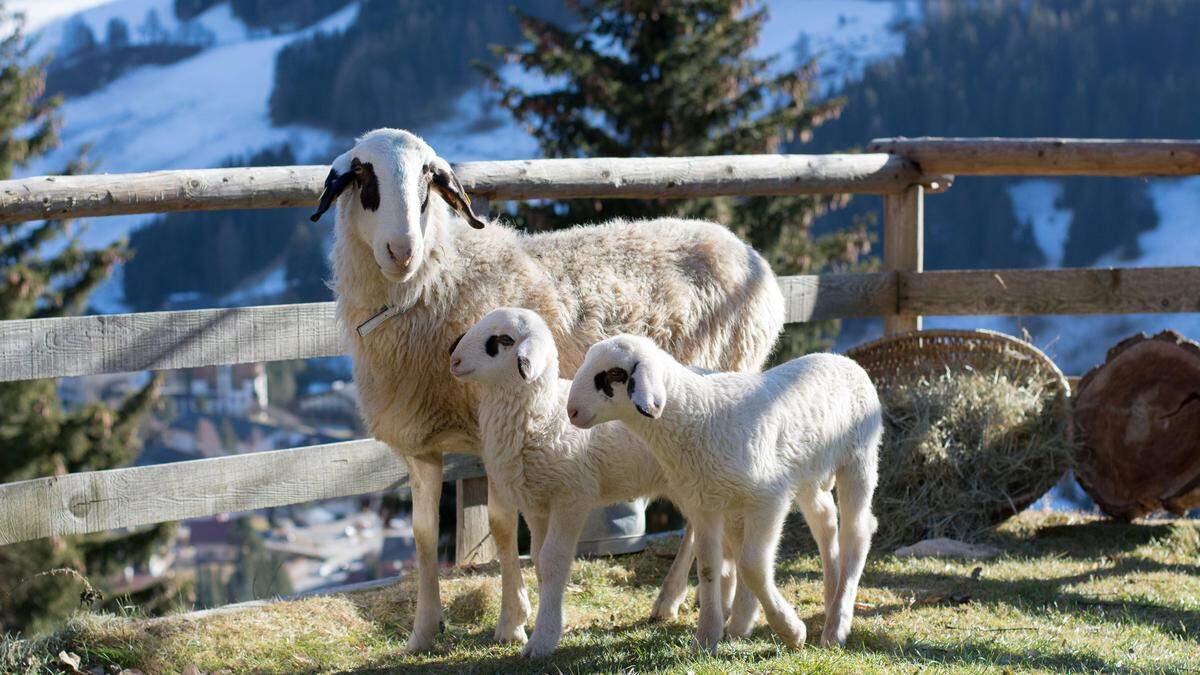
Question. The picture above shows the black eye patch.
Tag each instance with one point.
(368, 185)
(454, 345)
(492, 345)
(606, 378)
(423, 187)
(631, 386)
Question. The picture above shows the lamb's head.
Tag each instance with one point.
(506, 347)
(620, 379)
(383, 186)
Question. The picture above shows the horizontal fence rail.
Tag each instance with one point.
(116, 343)
(1046, 156)
(41, 197)
(95, 501)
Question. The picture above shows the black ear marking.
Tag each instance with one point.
(454, 345)
(368, 185)
(335, 183)
(523, 367)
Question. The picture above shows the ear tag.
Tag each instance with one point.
(374, 322)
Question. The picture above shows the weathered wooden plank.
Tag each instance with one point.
(903, 248)
(1047, 156)
(1071, 291)
(473, 543)
(114, 343)
(273, 187)
(817, 297)
(95, 501)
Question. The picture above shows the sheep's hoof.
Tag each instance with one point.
(830, 638)
(419, 643)
(665, 611)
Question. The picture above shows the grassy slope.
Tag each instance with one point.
(1070, 593)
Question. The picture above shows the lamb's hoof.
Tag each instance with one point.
(510, 635)
(538, 647)
(707, 641)
(739, 627)
(664, 611)
(795, 637)
(419, 642)
(833, 638)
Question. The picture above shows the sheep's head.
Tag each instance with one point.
(507, 346)
(620, 378)
(384, 184)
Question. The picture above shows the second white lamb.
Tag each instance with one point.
(553, 473)
(750, 445)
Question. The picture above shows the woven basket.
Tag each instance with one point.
(927, 352)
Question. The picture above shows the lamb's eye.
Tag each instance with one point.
(492, 346)
(617, 375)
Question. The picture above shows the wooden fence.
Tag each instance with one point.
(901, 170)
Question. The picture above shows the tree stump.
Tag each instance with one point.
(1136, 427)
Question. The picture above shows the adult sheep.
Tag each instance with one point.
(691, 286)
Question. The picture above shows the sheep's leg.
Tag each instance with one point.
(708, 527)
(756, 568)
(674, 588)
(514, 602)
(558, 551)
(744, 613)
(856, 486)
(821, 515)
(425, 472)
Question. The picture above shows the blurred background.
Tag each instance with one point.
(139, 85)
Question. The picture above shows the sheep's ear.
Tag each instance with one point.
(446, 183)
(335, 183)
(646, 389)
(533, 357)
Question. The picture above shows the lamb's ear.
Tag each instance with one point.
(446, 183)
(533, 357)
(335, 183)
(647, 390)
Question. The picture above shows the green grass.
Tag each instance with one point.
(1069, 594)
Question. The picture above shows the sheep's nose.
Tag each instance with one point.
(401, 260)
(572, 413)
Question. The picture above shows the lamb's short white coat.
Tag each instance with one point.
(749, 445)
(692, 286)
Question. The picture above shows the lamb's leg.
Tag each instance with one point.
(744, 613)
(425, 472)
(756, 568)
(821, 515)
(537, 535)
(856, 486)
(674, 588)
(730, 543)
(558, 551)
(514, 602)
(708, 527)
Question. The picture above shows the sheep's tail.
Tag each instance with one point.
(856, 481)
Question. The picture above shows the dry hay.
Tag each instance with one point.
(965, 450)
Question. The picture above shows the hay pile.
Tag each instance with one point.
(963, 451)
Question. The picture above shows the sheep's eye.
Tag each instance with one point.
(617, 375)
(423, 187)
(505, 340)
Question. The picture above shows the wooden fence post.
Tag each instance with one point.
(903, 247)
(473, 543)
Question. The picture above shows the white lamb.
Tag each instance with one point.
(407, 243)
(552, 472)
(748, 445)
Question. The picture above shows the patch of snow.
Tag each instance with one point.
(264, 289)
(39, 13)
(1033, 201)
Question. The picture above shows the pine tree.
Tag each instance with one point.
(37, 436)
(656, 78)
